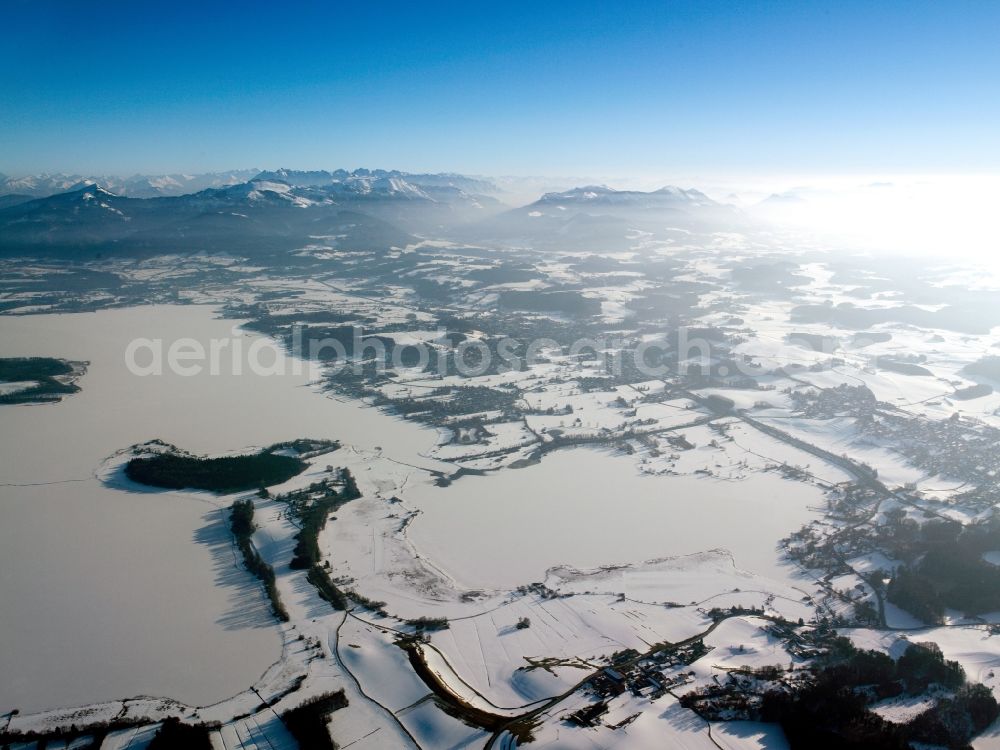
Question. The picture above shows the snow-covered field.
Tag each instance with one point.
(587, 507)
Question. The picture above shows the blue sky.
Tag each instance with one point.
(616, 88)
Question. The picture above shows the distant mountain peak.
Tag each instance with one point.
(91, 189)
(585, 192)
(602, 194)
(296, 176)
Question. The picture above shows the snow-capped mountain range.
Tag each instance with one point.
(265, 213)
(281, 210)
(167, 185)
(136, 186)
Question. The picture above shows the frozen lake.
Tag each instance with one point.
(111, 594)
(586, 508)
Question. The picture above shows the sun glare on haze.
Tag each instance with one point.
(946, 216)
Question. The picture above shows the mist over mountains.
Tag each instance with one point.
(136, 186)
(163, 185)
(274, 212)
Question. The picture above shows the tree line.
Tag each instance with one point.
(242, 525)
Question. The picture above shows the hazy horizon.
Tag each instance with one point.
(936, 215)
